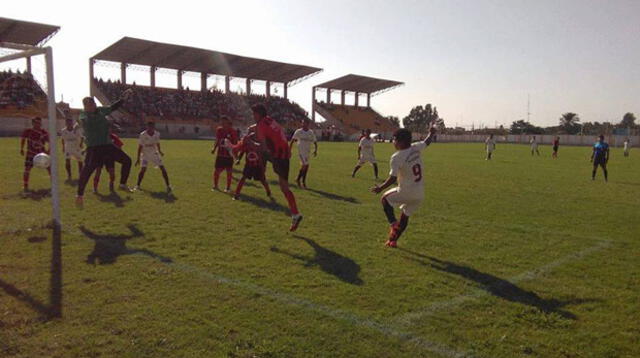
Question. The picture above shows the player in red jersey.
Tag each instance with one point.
(112, 173)
(36, 139)
(271, 137)
(254, 166)
(224, 160)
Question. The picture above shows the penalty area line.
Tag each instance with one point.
(436, 307)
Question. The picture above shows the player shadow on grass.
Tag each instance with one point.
(500, 287)
(168, 198)
(108, 248)
(329, 261)
(36, 195)
(72, 182)
(114, 198)
(270, 204)
(332, 196)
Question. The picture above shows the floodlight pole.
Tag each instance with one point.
(53, 143)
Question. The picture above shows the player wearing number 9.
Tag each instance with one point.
(406, 170)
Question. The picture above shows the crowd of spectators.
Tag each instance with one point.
(18, 89)
(187, 104)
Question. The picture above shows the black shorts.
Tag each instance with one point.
(599, 161)
(253, 172)
(555, 149)
(102, 155)
(281, 167)
(224, 162)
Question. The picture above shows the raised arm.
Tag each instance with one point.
(432, 133)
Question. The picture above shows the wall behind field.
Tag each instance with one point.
(586, 140)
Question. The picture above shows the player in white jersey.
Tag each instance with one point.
(304, 136)
(534, 145)
(149, 147)
(490, 146)
(407, 171)
(627, 147)
(72, 142)
(365, 154)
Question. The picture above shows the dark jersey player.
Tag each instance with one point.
(271, 137)
(36, 139)
(556, 145)
(254, 166)
(600, 157)
(224, 160)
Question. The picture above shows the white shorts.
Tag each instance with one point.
(74, 154)
(151, 158)
(304, 158)
(366, 158)
(405, 201)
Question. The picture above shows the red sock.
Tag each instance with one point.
(216, 177)
(25, 179)
(239, 187)
(292, 202)
(229, 177)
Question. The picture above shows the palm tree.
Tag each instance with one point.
(570, 123)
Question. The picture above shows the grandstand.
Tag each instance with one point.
(22, 95)
(350, 120)
(184, 112)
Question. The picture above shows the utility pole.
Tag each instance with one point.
(528, 108)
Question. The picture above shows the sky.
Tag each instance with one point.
(476, 61)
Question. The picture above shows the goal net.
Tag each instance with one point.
(24, 65)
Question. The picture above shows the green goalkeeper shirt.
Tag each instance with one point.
(96, 125)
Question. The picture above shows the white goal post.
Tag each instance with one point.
(26, 51)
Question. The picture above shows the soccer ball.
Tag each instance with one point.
(42, 160)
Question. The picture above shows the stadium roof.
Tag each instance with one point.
(361, 84)
(25, 33)
(143, 52)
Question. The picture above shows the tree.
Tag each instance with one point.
(569, 122)
(524, 127)
(395, 120)
(420, 117)
(628, 121)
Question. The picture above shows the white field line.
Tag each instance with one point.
(326, 310)
(440, 306)
(337, 314)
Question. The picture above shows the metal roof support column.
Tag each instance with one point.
(285, 90)
(342, 97)
(91, 78)
(227, 84)
(203, 82)
(179, 74)
(313, 104)
(368, 99)
(28, 64)
(328, 95)
(248, 86)
(123, 73)
(268, 89)
(357, 95)
(152, 76)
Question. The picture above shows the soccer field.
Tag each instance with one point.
(518, 256)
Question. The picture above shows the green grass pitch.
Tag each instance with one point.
(520, 256)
